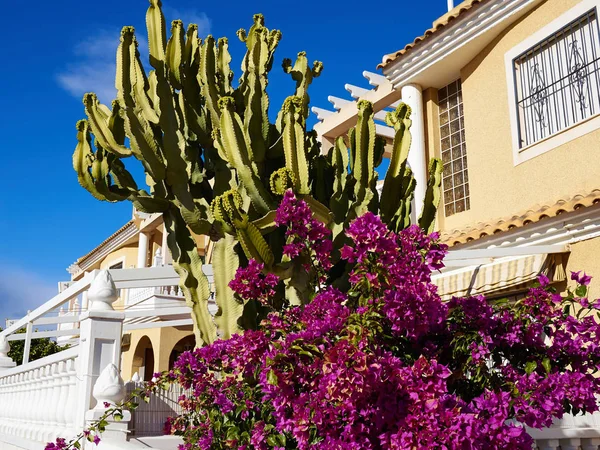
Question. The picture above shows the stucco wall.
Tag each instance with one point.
(163, 341)
(499, 188)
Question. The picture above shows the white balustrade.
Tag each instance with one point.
(54, 396)
(35, 398)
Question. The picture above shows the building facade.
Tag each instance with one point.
(507, 94)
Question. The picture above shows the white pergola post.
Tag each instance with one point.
(166, 254)
(142, 256)
(412, 95)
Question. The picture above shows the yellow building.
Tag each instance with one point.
(507, 94)
(141, 242)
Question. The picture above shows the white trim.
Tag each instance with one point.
(567, 228)
(104, 249)
(561, 137)
(444, 43)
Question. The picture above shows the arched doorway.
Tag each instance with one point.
(186, 344)
(143, 359)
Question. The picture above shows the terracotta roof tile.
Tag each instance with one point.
(531, 215)
(437, 25)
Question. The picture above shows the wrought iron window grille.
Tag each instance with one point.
(557, 81)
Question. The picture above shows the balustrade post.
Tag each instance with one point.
(100, 340)
(110, 389)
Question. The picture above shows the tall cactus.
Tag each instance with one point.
(215, 164)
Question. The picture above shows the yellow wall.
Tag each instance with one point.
(499, 188)
(163, 341)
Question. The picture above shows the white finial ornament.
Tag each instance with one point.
(109, 387)
(102, 293)
(4, 347)
(5, 361)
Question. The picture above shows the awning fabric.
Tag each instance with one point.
(505, 274)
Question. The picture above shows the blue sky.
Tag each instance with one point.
(56, 51)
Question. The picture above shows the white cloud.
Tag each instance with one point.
(22, 290)
(93, 67)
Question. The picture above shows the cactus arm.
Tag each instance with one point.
(193, 281)
(99, 123)
(294, 145)
(339, 202)
(432, 196)
(140, 86)
(157, 33)
(225, 75)
(363, 169)
(207, 78)
(116, 124)
(266, 223)
(237, 145)
(227, 209)
(391, 194)
(83, 158)
(254, 243)
(175, 54)
(402, 215)
(226, 261)
(303, 75)
(142, 141)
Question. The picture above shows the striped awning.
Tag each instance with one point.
(502, 275)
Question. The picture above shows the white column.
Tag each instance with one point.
(412, 95)
(142, 250)
(166, 254)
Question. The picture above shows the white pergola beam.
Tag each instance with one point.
(321, 113)
(374, 78)
(380, 115)
(338, 124)
(355, 91)
(337, 102)
(385, 131)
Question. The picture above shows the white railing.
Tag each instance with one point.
(152, 279)
(57, 395)
(580, 432)
(139, 295)
(40, 402)
(148, 419)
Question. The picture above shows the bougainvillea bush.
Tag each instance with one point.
(382, 362)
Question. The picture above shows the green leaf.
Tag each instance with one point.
(546, 364)
(530, 367)
(272, 378)
(581, 291)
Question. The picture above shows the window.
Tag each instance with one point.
(557, 83)
(454, 150)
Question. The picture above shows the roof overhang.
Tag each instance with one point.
(437, 60)
(123, 236)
